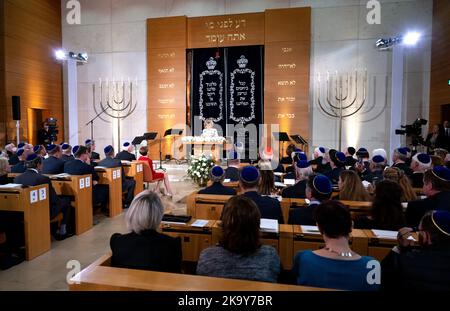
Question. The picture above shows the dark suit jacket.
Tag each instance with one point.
(125, 156)
(66, 158)
(53, 165)
(77, 167)
(218, 188)
(441, 142)
(232, 173)
(416, 209)
(295, 191)
(302, 215)
(149, 250)
(416, 180)
(13, 159)
(31, 178)
(405, 168)
(110, 162)
(333, 175)
(268, 207)
(19, 167)
(95, 155)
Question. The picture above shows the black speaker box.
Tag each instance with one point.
(16, 107)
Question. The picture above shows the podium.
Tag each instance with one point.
(213, 148)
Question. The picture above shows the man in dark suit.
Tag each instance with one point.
(248, 182)
(127, 185)
(399, 158)
(33, 177)
(66, 152)
(81, 166)
(233, 162)
(53, 164)
(419, 164)
(20, 166)
(303, 171)
(337, 165)
(217, 176)
(318, 189)
(436, 186)
(90, 145)
(125, 154)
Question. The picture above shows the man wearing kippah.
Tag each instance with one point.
(217, 175)
(126, 153)
(302, 172)
(90, 145)
(419, 164)
(337, 164)
(399, 159)
(436, 186)
(66, 152)
(233, 162)
(53, 164)
(20, 166)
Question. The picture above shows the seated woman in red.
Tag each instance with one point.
(144, 151)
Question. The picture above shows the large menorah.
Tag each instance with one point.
(115, 102)
(342, 103)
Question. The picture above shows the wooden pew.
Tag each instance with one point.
(100, 276)
(193, 239)
(206, 206)
(33, 202)
(135, 170)
(113, 178)
(80, 187)
(379, 247)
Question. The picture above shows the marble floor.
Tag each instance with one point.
(49, 271)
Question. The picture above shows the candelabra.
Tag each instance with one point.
(343, 102)
(115, 102)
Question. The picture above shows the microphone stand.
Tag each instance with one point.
(160, 154)
(92, 122)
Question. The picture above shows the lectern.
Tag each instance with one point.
(281, 137)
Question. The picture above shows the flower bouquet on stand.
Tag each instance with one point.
(199, 169)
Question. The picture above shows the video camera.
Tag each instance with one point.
(52, 129)
(414, 130)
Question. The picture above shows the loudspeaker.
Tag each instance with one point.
(16, 107)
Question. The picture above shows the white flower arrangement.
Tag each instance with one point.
(199, 139)
(199, 169)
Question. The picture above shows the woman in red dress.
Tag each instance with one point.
(144, 151)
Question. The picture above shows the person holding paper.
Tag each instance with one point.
(240, 253)
(336, 265)
(144, 247)
(217, 176)
(421, 267)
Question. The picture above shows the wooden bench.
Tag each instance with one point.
(80, 187)
(379, 247)
(193, 239)
(33, 202)
(135, 170)
(206, 206)
(113, 178)
(100, 276)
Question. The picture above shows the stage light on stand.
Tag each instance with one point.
(411, 38)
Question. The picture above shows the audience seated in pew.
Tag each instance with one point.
(156, 175)
(270, 208)
(145, 248)
(267, 182)
(336, 265)
(127, 184)
(66, 152)
(302, 172)
(126, 153)
(53, 164)
(288, 158)
(400, 159)
(297, 155)
(376, 168)
(351, 187)
(4, 170)
(40, 151)
(33, 177)
(19, 167)
(11, 154)
(233, 162)
(387, 209)
(318, 190)
(240, 254)
(320, 162)
(337, 164)
(398, 176)
(420, 268)
(217, 176)
(419, 164)
(436, 186)
(266, 160)
(90, 145)
(81, 166)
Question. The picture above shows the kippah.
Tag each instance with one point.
(302, 157)
(380, 152)
(441, 219)
(65, 146)
(51, 147)
(442, 173)
(362, 152)
(249, 174)
(37, 148)
(378, 159)
(108, 149)
(20, 152)
(322, 184)
(423, 158)
(403, 151)
(75, 149)
(407, 149)
(126, 144)
(32, 157)
(340, 156)
(302, 164)
(21, 145)
(88, 142)
(217, 171)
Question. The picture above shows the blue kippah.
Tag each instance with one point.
(442, 173)
(322, 184)
(126, 144)
(362, 150)
(424, 158)
(441, 219)
(297, 150)
(402, 151)
(378, 159)
(32, 157)
(20, 152)
(36, 148)
(217, 171)
(51, 147)
(65, 146)
(233, 155)
(21, 145)
(322, 149)
(340, 156)
(87, 141)
(302, 164)
(249, 174)
(108, 149)
(302, 157)
(75, 149)
(407, 149)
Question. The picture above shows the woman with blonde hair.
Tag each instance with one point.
(398, 176)
(351, 187)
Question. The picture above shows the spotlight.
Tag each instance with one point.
(60, 55)
(83, 56)
(80, 57)
(411, 38)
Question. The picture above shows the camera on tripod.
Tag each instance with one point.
(52, 129)
(414, 130)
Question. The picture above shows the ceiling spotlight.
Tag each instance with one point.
(83, 56)
(80, 57)
(411, 38)
(60, 55)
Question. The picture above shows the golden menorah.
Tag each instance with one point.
(343, 101)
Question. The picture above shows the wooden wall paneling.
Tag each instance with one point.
(440, 62)
(2, 76)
